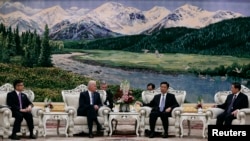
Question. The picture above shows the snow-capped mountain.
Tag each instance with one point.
(21, 20)
(111, 19)
(8, 7)
(123, 19)
(192, 17)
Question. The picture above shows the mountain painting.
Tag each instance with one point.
(200, 46)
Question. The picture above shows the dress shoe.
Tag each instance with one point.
(91, 136)
(165, 135)
(152, 135)
(32, 137)
(14, 137)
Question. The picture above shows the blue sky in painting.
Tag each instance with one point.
(240, 6)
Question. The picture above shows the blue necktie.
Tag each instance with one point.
(20, 100)
(162, 103)
(231, 105)
(92, 98)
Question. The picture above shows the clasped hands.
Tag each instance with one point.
(26, 110)
(140, 103)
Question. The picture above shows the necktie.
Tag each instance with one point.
(20, 100)
(92, 98)
(162, 103)
(231, 104)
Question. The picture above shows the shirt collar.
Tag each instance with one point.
(17, 92)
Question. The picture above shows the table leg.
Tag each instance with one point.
(204, 128)
(189, 128)
(44, 126)
(137, 126)
(181, 126)
(110, 126)
(58, 125)
(66, 127)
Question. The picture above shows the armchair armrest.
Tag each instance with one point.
(145, 111)
(212, 113)
(243, 116)
(5, 115)
(103, 111)
(71, 111)
(37, 111)
(176, 112)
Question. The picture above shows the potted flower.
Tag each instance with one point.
(124, 97)
(47, 104)
(199, 104)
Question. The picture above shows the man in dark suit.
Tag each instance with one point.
(233, 103)
(21, 108)
(109, 96)
(89, 103)
(162, 105)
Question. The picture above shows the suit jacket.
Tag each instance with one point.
(240, 102)
(109, 98)
(169, 102)
(13, 101)
(84, 103)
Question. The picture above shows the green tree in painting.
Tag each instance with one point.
(45, 55)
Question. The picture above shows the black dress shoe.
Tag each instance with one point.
(152, 135)
(91, 136)
(32, 137)
(165, 135)
(14, 137)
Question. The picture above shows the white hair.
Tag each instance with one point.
(91, 82)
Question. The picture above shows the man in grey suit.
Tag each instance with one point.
(89, 104)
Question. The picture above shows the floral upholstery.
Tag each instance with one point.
(174, 121)
(6, 119)
(79, 124)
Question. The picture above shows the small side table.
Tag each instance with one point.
(124, 115)
(56, 116)
(192, 117)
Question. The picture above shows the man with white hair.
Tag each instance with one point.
(89, 103)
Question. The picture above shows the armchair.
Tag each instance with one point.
(174, 120)
(6, 119)
(78, 124)
(243, 116)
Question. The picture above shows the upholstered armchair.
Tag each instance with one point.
(243, 116)
(79, 124)
(6, 119)
(174, 120)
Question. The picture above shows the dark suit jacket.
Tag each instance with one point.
(84, 103)
(109, 98)
(169, 102)
(13, 101)
(240, 102)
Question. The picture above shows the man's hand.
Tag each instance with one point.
(29, 108)
(96, 107)
(168, 109)
(235, 112)
(138, 103)
(214, 106)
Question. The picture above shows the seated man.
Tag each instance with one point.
(233, 103)
(89, 103)
(109, 96)
(162, 105)
(21, 108)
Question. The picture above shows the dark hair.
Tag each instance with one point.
(152, 85)
(165, 82)
(237, 85)
(18, 81)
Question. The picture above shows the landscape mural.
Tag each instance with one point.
(200, 46)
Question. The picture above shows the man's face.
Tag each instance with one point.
(92, 87)
(164, 88)
(20, 87)
(104, 87)
(234, 90)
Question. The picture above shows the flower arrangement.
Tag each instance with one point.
(47, 103)
(199, 102)
(124, 95)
